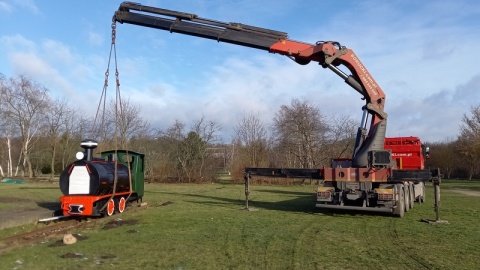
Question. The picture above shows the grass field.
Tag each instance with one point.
(204, 227)
(28, 196)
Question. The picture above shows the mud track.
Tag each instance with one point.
(46, 231)
(39, 234)
(466, 192)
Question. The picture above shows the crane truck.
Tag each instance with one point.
(373, 179)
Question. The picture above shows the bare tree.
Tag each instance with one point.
(7, 127)
(251, 137)
(188, 152)
(25, 102)
(124, 117)
(8, 130)
(469, 140)
(75, 129)
(208, 134)
(190, 155)
(172, 139)
(300, 131)
(192, 152)
(341, 136)
(445, 155)
(57, 120)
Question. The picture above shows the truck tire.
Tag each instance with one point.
(422, 196)
(412, 195)
(399, 210)
(406, 197)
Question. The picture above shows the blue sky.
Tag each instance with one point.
(424, 54)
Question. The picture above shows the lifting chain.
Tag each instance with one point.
(118, 113)
(94, 132)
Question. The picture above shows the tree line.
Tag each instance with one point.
(40, 135)
(460, 157)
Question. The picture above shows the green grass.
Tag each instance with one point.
(461, 184)
(27, 196)
(205, 227)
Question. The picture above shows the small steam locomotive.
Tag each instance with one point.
(101, 186)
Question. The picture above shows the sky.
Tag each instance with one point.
(423, 54)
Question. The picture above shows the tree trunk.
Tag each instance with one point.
(470, 173)
(29, 167)
(27, 162)
(18, 164)
(52, 164)
(10, 163)
(64, 152)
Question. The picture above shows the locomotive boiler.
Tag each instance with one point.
(95, 186)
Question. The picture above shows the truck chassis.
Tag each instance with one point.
(396, 194)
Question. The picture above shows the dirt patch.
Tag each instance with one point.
(119, 222)
(13, 200)
(166, 203)
(466, 192)
(70, 255)
(22, 216)
(108, 256)
(105, 258)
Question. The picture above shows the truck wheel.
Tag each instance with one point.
(406, 196)
(422, 197)
(412, 195)
(399, 211)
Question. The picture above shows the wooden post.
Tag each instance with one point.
(436, 185)
(247, 189)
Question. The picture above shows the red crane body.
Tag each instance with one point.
(370, 179)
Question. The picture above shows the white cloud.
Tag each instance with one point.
(30, 64)
(415, 64)
(17, 42)
(54, 65)
(423, 57)
(28, 4)
(4, 6)
(95, 38)
(57, 52)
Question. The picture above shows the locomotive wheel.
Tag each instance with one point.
(110, 209)
(120, 205)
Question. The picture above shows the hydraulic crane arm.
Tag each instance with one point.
(191, 24)
(328, 54)
(255, 37)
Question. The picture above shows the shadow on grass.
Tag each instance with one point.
(351, 213)
(55, 187)
(296, 193)
(304, 203)
(301, 204)
(54, 206)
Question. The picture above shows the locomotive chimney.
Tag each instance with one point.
(89, 145)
